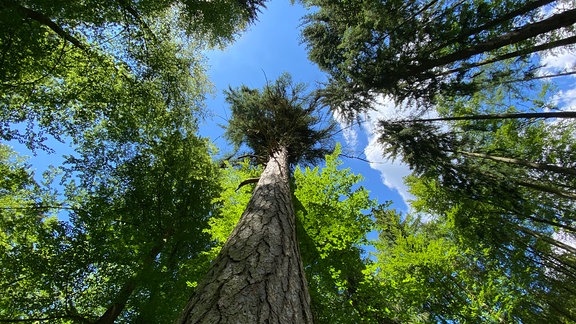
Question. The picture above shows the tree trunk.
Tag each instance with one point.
(121, 299)
(529, 6)
(258, 276)
(542, 47)
(533, 165)
(547, 114)
(557, 21)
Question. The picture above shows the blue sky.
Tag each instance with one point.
(272, 46)
(268, 48)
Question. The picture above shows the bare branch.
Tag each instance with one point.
(46, 21)
(247, 181)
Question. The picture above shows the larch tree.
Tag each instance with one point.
(258, 274)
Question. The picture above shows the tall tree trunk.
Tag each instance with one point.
(258, 276)
(533, 165)
(547, 114)
(557, 21)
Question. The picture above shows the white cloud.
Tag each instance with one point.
(557, 60)
(391, 172)
(560, 61)
(566, 99)
(349, 131)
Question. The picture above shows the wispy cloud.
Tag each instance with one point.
(392, 172)
(561, 61)
(557, 60)
(349, 131)
(566, 99)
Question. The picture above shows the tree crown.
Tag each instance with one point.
(280, 115)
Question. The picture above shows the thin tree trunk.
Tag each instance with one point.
(546, 239)
(121, 299)
(258, 276)
(548, 114)
(542, 47)
(557, 21)
(547, 188)
(530, 6)
(533, 165)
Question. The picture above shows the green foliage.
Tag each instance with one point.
(280, 115)
(133, 239)
(504, 188)
(82, 65)
(517, 271)
(333, 217)
(232, 200)
(418, 49)
(123, 83)
(139, 182)
(427, 275)
(165, 210)
(329, 193)
(30, 248)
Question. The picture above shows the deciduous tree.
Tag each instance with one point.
(132, 239)
(67, 66)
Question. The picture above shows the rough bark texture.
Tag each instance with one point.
(258, 276)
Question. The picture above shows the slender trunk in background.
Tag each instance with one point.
(113, 312)
(258, 276)
(533, 165)
(546, 114)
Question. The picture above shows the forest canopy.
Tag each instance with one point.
(148, 220)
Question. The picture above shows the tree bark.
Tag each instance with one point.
(258, 276)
